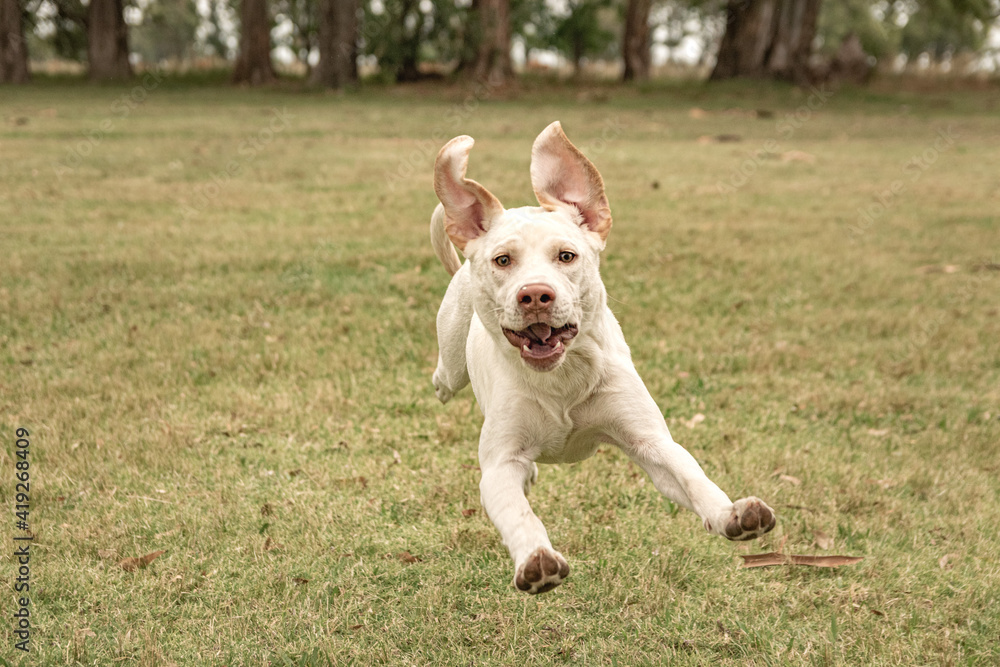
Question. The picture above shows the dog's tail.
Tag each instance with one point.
(443, 248)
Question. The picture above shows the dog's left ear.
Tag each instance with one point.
(561, 175)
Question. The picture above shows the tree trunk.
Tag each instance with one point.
(578, 50)
(409, 69)
(794, 33)
(768, 39)
(488, 42)
(253, 64)
(338, 44)
(107, 41)
(635, 42)
(13, 48)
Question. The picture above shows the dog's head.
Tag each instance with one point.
(535, 269)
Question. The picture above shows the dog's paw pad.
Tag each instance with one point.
(749, 519)
(541, 572)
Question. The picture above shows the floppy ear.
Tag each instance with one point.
(469, 208)
(561, 175)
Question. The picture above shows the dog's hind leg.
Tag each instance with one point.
(453, 320)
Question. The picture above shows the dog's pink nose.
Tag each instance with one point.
(536, 297)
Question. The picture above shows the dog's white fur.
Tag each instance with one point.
(586, 390)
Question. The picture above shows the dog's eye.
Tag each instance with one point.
(566, 256)
(502, 260)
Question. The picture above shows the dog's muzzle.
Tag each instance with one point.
(540, 344)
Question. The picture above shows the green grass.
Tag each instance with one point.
(236, 370)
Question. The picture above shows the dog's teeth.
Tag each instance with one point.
(525, 348)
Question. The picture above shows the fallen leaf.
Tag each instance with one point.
(407, 557)
(295, 473)
(943, 562)
(791, 480)
(133, 564)
(270, 545)
(266, 509)
(798, 156)
(300, 580)
(728, 632)
(877, 612)
(356, 627)
(823, 541)
(775, 558)
(468, 513)
(694, 421)
(354, 480)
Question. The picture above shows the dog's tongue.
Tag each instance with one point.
(540, 331)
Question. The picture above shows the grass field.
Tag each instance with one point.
(217, 324)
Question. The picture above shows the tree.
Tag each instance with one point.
(219, 12)
(487, 42)
(768, 39)
(13, 48)
(941, 28)
(167, 31)
(303, 17)
(338, 44)
(635, 42)
(581, 32)
(253, 64)
(107, 41)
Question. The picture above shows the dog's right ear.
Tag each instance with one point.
(469, 208)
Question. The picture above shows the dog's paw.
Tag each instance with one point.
(541, 572)
(441, 390)
(749, 518)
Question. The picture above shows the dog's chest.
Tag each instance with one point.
(570, 446)
(566, 435)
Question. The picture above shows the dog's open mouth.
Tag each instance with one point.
(541, 344)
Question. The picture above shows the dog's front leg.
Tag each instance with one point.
(507, 475)
(678, 476)
(644, 436)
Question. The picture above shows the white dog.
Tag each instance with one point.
(526, 320)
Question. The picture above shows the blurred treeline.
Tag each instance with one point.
(334, 42)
